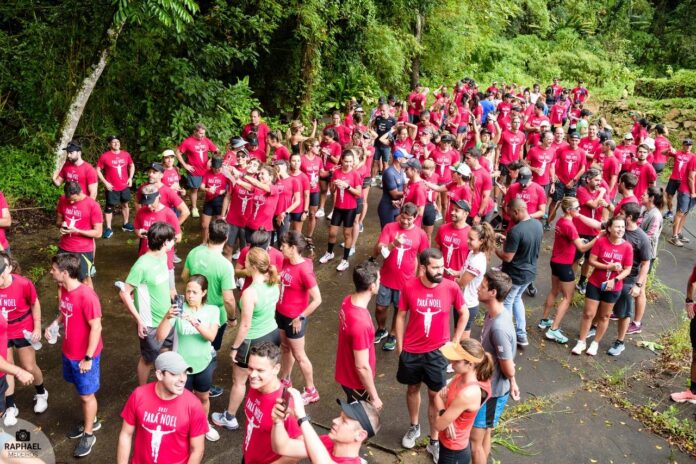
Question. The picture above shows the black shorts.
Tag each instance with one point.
(18, 343)
(214, 206)
(448, 456)
(354, 395)
(429, 368)
(87, 268)
(3, 390)
(344, 217)
(692, 334)
(594, 293)
(243, 352)
(625, 305)
(504, 171)
(285, 324)
(326, 178)
(672, 186)
(202, 381)
(578, 253)
(429, 215)
(563, 191)
(361, 205)
(116, 197)
(217, 342)
(659, 167)
(296, 217)
(314, 198)
(564, 272)
(234, 232)
(150, 347)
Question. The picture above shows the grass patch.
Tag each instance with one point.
(505, 434)
(36, 272)
(676, 355)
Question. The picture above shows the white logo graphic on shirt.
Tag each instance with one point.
(341, 192)
(156, 440)
(119, 164)
(201, 150)
(455, 244)
(428, 319)
(313, 179)
(71, 220)
(406, 245)
(67, 309)
(245, 200)
(285, 281)
(251, 425)
(258, 203)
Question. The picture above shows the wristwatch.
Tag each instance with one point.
(689, 300)
(88, 358)
(302, 420)
(639, 285)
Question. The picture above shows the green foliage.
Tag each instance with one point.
(26, 177)
(680, 85)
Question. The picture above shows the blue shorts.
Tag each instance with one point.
(685, 202)
(87, 383)
(382, 152)
(193, 182)
(490, 412)
(387, 296)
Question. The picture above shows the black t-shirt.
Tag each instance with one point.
(642, 251)
(524, 239)
(382, 126)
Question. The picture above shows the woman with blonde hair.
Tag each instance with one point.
(258, 324)
(294, 138)
(459, 402)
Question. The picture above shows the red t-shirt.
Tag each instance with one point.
(286, 190)
(261, 132)
(610, 168)
(681, 159)
(276, 260)
(344, 199)
(311, 168)
(329, 445)
(170, 177)
(579, 93)
(418, 150)
(627, 199)
(540, 158)
(511, 146)
(144, 219)
(592, 146)
(607, 252)
(78, 307)
(557, 114)
(430, 194)
(16, 301)
(258, 153)
(217, 180)
(406, 144)
(429, 309)
(281, 153)
(163, 428)
(400, 265)
(240, 206)
(355, 333)
(257, 436)
(196, 152)
(263, 205)
(625, 154)
(3, 236)
(168, 197)
(564, 242)
(662, 149)
(84, 174)
(534, 195)
(482, 182)
(453, 243)
(296, 280)
(690, 167)
(443, 160)
(584, 195)
(456, 192)
(418, 101)
(329, 150)
(568, 163)
(646, 175)
(535, 121)
(303, 183)
(416, 193)
(3, 341)
(83, 215)
(114, 167)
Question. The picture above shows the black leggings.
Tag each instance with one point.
(448, 456)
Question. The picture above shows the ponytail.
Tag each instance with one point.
(484, 371)
(486, 236)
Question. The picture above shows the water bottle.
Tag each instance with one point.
(53, 330)
(27, 336)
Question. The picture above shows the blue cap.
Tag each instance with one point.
(401, 153)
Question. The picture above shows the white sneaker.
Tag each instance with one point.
(352, 252)
(579, 347)
(320, 213)
(194, 213)
(326, 258)
(10, 417)
(212, 434)
(41, 402)
(409, 439)
(592, 350)
(328, 216)
(236, 254)
(343, 265)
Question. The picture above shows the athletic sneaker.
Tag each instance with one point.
(310, 396)
(531, 290)
(41, 402)
(592, 332)
(10, 417)
(215, 391)
(212, 434)
(343, 265)
(683, 238)
(522, 340)
(84, 446)
(617, 348)
(128, 227)
(194, 213)
(236, 254)
(634, 328)
(380, 335)
(329, 216)
(286, 383)
(556, 335)
(320, 213)
(545, 324)
(581, 287)
(176, 259)
(326, 258)
(668, 215)
(580, 346)
(674, 240)
(547, 227)
(682, 397)
(108, 233)
(613, 317)
(592, 350)
(390, 344)
(434, 450)
(224, 419)
(409, 440)
(79, 430)
(438, 217)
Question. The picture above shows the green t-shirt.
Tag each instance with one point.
(149, 277)
(189, 343)
(263, 318)
(219, 272)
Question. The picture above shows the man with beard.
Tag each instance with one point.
(75, 169)
(426, 301)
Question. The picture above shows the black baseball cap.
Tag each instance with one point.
(111, 138)
(73, 146)
(524, 176)
(356, 411)
(149, 198)
(462, 204)
(156, 167)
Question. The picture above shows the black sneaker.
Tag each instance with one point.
(79, 430)
(215, 391)
(380, 335)
(84, 446)
(531, 290)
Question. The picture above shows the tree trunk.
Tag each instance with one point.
(308, 74)
(415, 61)
(79, 101)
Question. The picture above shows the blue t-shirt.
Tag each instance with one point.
(391, 180)
(487, 106)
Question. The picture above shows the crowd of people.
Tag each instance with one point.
(496, 168)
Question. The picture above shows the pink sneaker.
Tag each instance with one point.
(682, 397)
(310, 396)
(286, 383)
(634, 328)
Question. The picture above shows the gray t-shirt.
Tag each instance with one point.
(499, 339)
(642, 251)
(524, 240)
(652, 226)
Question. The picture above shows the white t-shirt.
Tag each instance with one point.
(475, 264)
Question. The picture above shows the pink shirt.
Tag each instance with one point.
(356, 332)
(569, 162)
(114, 167)
(540, 158)
(443, 160)
(84, 174)
(144, 219)
(400, 265)
(564, 242)
(171, 176)
(681, 159)
(607, 252)
(296, 280)
(16, 302)
(263, 205)
(83, 215)
(240, 206)
(511, 146)
(646, 175)
(78, 307)
(303, 183)
(217, 180)
(311, 168)
(610, 168)
(196, 153)
(453, 243)
(584, 195)
(344, 199)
